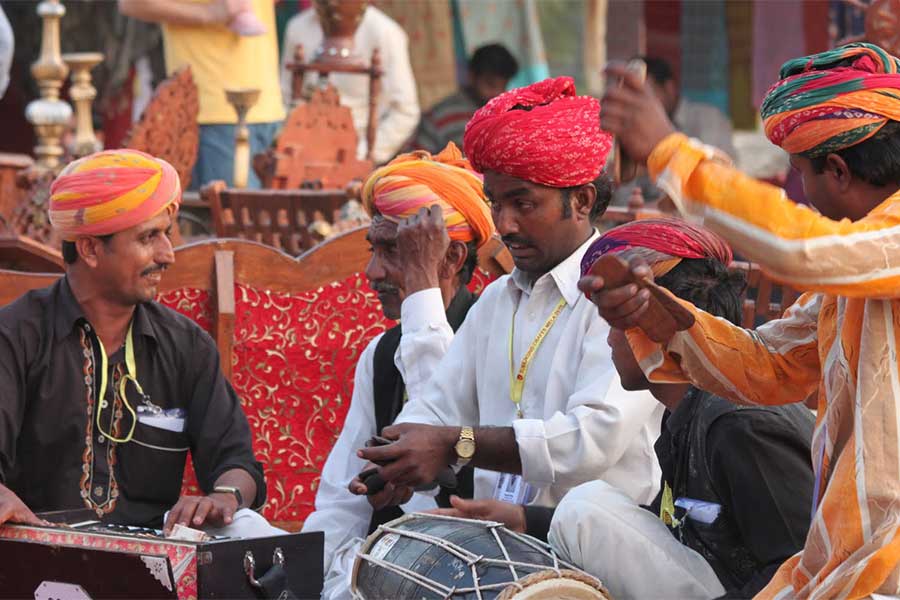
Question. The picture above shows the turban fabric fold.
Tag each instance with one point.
(542, 133)
(832, 100)
(662, 243)
(111, 191)
(415, 180)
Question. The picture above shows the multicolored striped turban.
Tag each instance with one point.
(415, 180)
(542, 133)
(110, 191)
(832, 100)
(662, 243)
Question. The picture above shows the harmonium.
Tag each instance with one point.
(76, 558)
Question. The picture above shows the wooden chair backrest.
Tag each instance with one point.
(20, 253)
(764, 300)
(10, 192)
(16, 283)
(277, 218)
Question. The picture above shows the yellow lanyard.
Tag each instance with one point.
(130, 373)
(517, 380)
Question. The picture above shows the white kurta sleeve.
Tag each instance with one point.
(340, 514)
(599, 424)
(399, 122)
(425, 340)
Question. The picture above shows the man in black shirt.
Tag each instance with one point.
(104, 390)
(736, 482)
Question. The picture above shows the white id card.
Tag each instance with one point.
(512, 488)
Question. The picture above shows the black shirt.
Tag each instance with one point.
(52, 454)
(754, 462)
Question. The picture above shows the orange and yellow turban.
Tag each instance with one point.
(832, 100)
(400, 188)
(110, 191)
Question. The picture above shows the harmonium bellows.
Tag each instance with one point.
(84, 560)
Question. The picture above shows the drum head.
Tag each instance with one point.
(553, 585)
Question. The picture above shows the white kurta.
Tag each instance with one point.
(398, 103)
(579, 423)
(342, 516)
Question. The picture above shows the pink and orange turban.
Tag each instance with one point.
(110, 191)
(543, 133)
(832, 100)
(662, 243)
(400, 188)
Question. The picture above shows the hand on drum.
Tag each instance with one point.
(511, 515)
(388, 495)
(417, 454)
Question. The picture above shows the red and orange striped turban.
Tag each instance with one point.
(662, 243)
(400, 188)
(111, 191)
(542, 133)
(832, 100)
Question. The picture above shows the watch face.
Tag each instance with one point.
(465, 448)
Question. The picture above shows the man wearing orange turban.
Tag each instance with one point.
(429, 217)
(105, 390)
(526, 392)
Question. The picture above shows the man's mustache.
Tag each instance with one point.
(516, 239)
(385, 288)
(154, 269)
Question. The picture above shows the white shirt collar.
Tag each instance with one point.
(565, 275)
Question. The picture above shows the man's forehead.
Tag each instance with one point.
(499, 185)
(382, 230)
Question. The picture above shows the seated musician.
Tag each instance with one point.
(429, 216)
(736, 482)
(527, 392)
(105, 391)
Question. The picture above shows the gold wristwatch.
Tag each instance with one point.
(465, 446)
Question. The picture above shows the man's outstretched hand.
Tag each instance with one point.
(621, 306)
(511, 515)
(13, 510)
(633, 114)
(417, 454)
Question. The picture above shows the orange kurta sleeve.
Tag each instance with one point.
(793, 244)
(777, 363)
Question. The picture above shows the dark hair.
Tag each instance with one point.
(658, 69)
(70, 252)
(709, 285)
(603, 185)
(493, 59)
(876, 160)
(468, 267)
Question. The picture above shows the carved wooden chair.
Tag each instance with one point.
(20, 253)
(278, 218)
(764, 300)
(11, 195)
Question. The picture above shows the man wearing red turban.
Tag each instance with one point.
(527, 392)
(105, 390)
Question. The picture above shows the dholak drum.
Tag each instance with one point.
(429, 557)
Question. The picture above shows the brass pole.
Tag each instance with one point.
(83, 93)
(242, 99)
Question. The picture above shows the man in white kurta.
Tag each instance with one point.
(541, 151)
(423, 254)
(398, 102)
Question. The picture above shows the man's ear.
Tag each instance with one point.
(88, 250)
(583, 199)
(454, 259)
(838, 172)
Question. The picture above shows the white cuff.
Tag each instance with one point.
(423, 309)
(534, 453)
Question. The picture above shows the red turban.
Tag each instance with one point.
(543, 133)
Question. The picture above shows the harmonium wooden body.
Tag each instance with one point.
(72, 560)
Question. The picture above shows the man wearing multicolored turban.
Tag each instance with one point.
(526, 393)
(429, 218)
(105, 390)
(838, 115)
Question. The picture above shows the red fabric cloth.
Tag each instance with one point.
(542, 133)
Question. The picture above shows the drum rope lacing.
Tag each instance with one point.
(470, 559)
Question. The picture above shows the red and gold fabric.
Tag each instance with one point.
(841, 337)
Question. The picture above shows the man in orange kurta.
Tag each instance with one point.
(838, 115)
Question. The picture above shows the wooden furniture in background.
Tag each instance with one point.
(20, 253)
(278, 218)
(764, 300)
(11, 194)
(168, 127)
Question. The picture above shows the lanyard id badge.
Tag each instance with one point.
(517, 379)
(513, 489)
